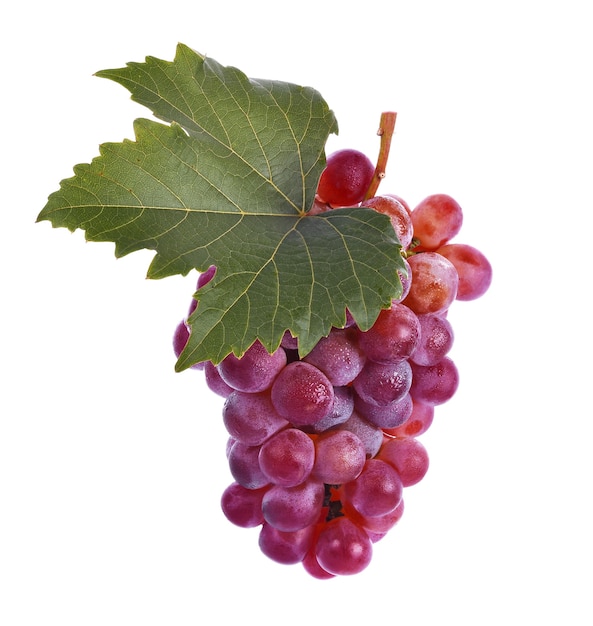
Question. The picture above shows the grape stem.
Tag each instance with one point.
(386, 127)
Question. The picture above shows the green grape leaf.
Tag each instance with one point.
(228, 180)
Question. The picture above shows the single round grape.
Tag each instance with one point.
(378, 526)
(340, 456)
(215, 382)
(243, 463)
(417, 423)
(436, 339)
(338, 356)
(393, 337)
(251, 417)
(289, 342)
(287, 457)
(370, 434)
(382, 384)
(402, 202)
(287, 548)
(408, 457)
(341, 410)
(397, 213)
(345, 179)
(343, 548)
(436, 220)
(242, 506)
(473, 268)
(293, 508)
(434, 384)
(312, 567)
(377, 490)
(388, 416)
(302, 394)
(253, 372)
(434, 283)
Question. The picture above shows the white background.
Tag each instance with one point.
(112, 465)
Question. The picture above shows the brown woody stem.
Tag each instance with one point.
(386, 127)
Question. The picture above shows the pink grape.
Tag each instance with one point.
(242, 506)
(436, 220)
(394, 335)
(338, 356)
(215, 382)
(473, 268)
(251, 417)
(341, 410)
(377, 490)
(434, 384)
(340, 456)
(436, 339)
(255, 371)
(287, 457)
(378, 525)
(369, 434)
(408, 457)
(302, 394)
(312, 567)
(382, 384)
(397, 213)
(434, 283)
(418, 423)
(287, 548)
(289, 342)
(293, 508)
(243, 463)
(402, 202)
(343, 548)
(387, 416)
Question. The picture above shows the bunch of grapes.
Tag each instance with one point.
(322, 447)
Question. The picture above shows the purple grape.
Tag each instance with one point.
(436, 339)
(338, 356)
(434, 384)
(251, 417)
(287, 548)
(382, 384)
(394, 335)
(244, 466)
(287, 457)
(377, 490)
(302, 394)
(293, 508)
(255, 371)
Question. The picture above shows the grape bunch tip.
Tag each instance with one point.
(322, 447)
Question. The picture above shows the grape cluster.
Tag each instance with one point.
(322, 447)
